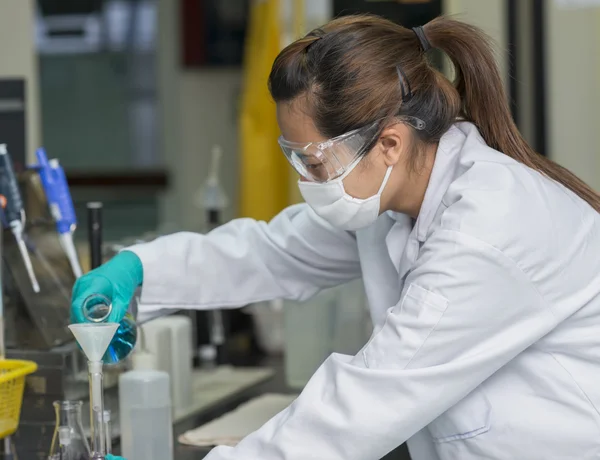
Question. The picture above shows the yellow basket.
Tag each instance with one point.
(12, 384)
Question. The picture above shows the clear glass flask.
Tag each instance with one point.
(96, 309)
(69, 441)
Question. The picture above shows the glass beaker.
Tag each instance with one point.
(96, 309)
(69, 441)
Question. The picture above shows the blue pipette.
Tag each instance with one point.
(14, 211)
(60, 203)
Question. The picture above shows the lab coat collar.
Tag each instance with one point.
(442, 175)
(404, 237)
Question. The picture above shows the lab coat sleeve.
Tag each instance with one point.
(246, 261)
(466, 311)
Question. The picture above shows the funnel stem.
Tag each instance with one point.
(97, 409)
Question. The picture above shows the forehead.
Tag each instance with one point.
(295, 124)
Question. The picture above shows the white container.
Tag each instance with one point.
(334, 320)
(268, 323)
(145, 415)
(181, 360)
(155, 339)
(143, 360)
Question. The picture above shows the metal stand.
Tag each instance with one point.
(8, 455)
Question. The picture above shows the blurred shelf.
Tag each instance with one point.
(147, 178)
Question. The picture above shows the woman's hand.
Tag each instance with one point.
(117, 280)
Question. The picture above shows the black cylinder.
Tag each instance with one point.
(95, 233)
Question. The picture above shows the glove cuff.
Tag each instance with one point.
(134, 266)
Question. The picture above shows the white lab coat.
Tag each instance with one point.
(486, 312)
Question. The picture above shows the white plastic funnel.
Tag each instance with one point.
(94, 338)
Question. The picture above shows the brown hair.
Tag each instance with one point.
(352, 71)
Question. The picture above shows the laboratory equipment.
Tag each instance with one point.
(338, 321)
(108, 431)
(156, 341)
(14, 211)
(94, 340)
(96, 309)
(69, 441)
(142, 359)
(7, 439)
(36, 320)
(212, 197)
(176, 353)
(12, 379)
(145, 415)
(60, 203)
(212, 200)
(95, 232)
(2, 337)
(267, 318)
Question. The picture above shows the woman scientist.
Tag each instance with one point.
(480, 258)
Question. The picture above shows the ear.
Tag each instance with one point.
(393, 142)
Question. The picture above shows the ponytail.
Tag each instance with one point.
(350, 69)
(484, 101)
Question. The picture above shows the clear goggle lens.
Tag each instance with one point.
(328, 160)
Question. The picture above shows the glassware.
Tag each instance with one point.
(108, 431)
(97, 410)
(69, 441)
(94, 340)
(96, 309)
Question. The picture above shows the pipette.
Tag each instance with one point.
(14, 211)
(60, 203)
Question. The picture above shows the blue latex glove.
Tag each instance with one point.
(117, 279)
(113, 457)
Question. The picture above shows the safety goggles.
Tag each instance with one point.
(328, 160)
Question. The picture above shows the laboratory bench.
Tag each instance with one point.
(276, 384)
(214, 398)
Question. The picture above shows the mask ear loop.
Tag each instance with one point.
(385, 180)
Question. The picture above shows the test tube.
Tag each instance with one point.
(97, 413)
(108, 431)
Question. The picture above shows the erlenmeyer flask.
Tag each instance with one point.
(69, 441)
(96, 309)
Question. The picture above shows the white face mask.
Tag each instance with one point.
(331, 202)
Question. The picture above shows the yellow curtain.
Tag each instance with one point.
(264, 186)
(299, 26)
